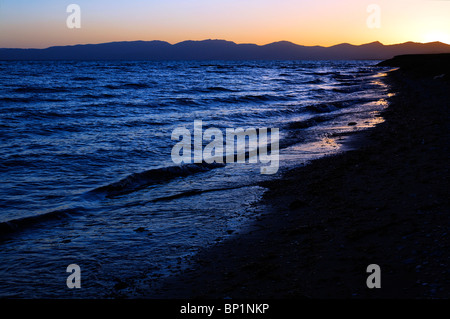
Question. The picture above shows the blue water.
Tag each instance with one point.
(86, 170)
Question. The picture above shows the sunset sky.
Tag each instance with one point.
(40, 24)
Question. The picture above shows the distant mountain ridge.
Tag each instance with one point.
(221, 50)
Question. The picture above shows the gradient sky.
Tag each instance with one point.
(40, 24)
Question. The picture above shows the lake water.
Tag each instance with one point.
(86, 171)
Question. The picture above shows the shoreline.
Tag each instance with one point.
(383, 202)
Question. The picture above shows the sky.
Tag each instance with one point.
(43, 23)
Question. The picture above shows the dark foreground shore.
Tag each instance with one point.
(385, 203)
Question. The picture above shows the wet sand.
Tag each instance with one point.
(385, 202)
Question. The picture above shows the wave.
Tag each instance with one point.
(18, 99)
(343, 77)
(325, 107)
(137, 123)
(25, 222)
(195, 192)
(185, 101)
(112, 87)
(127, 86)
(321, 73)
(136, 85)
(83, 78)
(30, 99)
(52, 114)
(309, 122)
(315, 81)
(218, 89)
(36, 89)
(206, 90)
(348, 89)
(99, 96)
(254, 98)
(137, 181)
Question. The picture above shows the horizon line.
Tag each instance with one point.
(210, 39)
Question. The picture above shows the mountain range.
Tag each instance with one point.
(221, 50)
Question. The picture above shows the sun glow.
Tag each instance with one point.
(437, 36)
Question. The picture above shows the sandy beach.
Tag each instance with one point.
(384, 202)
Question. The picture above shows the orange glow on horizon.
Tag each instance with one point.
(324, 23)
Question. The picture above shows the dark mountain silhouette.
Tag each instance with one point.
(221, 50)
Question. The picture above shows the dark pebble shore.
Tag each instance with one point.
(385, 202)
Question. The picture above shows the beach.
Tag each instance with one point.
(384, 201)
